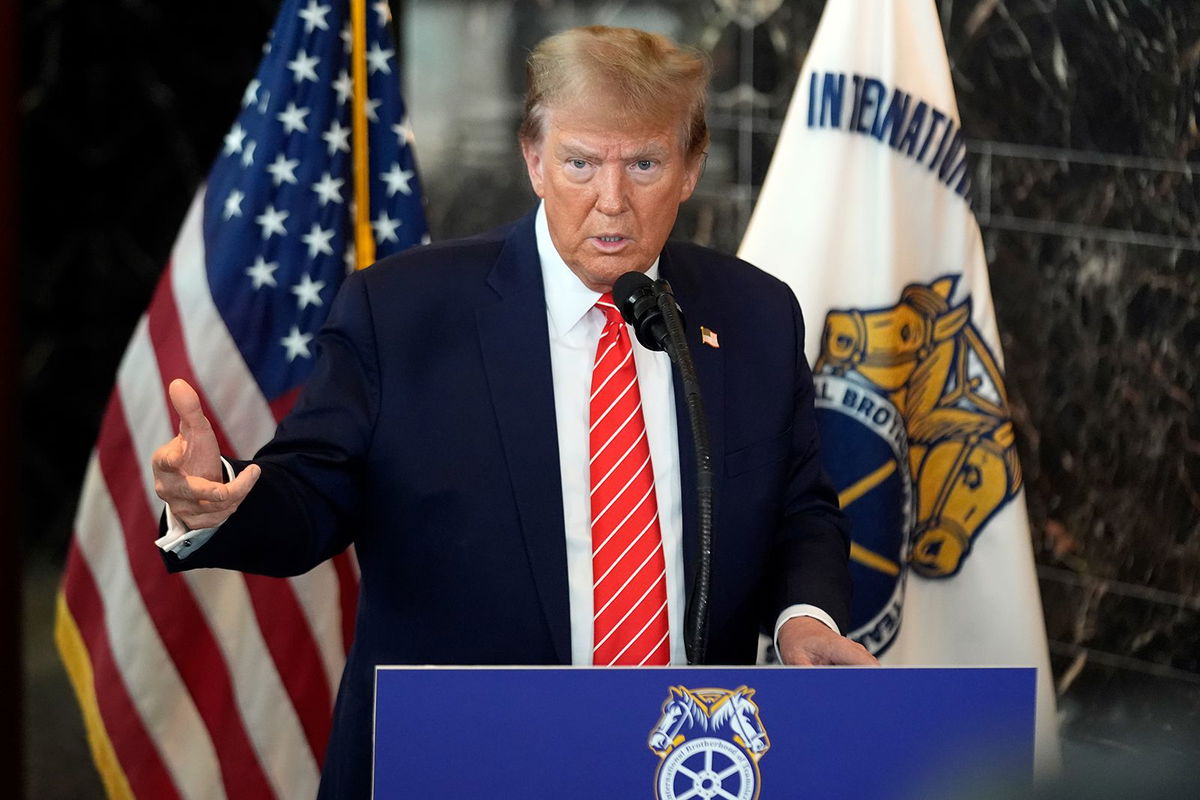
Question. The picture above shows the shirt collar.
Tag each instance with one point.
(567, 299)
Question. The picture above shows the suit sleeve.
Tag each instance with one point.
(307, 505)
(813, 543)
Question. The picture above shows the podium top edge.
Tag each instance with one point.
(689, 668)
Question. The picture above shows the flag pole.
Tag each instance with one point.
(78, 663)
(364, 240)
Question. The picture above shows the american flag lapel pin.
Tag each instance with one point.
(709, 337)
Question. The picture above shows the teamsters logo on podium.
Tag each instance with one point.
(709, 742)
(924, 457)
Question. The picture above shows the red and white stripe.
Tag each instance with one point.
(210, 684)
(628, 567)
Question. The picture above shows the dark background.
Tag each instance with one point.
(1083, 118)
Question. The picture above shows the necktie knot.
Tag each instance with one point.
(611, 314)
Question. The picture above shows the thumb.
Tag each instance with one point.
(187, 405)
(242, 483)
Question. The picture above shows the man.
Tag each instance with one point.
(511, 468)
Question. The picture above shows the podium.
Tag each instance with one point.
(679, 733)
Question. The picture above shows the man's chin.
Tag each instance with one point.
(599, 275)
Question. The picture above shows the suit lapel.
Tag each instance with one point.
(698, 309)
(515, 342)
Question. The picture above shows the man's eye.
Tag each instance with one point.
(577, 163)
(645, 164)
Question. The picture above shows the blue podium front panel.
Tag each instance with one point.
(698, 732)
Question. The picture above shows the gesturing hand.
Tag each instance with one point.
(805, 641)
(187, 470)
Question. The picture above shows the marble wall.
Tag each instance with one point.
(1083, 118)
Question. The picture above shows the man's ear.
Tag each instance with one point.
(693, 166)
(532, 151)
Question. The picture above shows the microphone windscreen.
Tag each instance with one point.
(627, 290)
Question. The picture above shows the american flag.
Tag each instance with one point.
(216, 684)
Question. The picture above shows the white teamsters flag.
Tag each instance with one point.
(863, 213)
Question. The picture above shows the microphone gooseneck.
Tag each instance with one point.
(649, 306)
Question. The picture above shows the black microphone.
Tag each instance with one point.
(649, 306)
(636, 297)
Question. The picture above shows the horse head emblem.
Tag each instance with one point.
(709, 742)
(926, 358)
(740, 714)
(680, 715)
(710, 712)
(885, 345)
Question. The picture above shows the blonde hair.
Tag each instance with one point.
(649, 75)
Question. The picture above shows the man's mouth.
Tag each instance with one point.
(610, 243)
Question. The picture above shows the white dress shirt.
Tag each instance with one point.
(575, 326)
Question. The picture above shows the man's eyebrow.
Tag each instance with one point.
(576, 149)
(651, 150)
(569, 149)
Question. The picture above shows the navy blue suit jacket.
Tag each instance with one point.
(426, 437)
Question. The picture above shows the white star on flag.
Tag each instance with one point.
(262, 273)
(304, 67)
(296, 343)
(346, 36)
(233, 139)
(272, 222)
(397, 180)
(251, 93)
(385, 228)
(233, 204)
(293, 118)
(377, 59)
(248, 154)
(403, 131)
(282, 169)
(308, 292)
(384, 11)
(317, 240)
(369, 108)
(343, 86)
(337, 137)
(314, 17)
(328, 189)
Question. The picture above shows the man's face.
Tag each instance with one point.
(611, 190)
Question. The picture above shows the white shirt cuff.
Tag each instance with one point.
(801, 610)
(181, 541)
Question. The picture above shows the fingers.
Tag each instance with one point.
(242, 483)
(200, 450)
(797, 658)
(168, 458)
(851, 653)
(201, 503)
(187, 405)
(805, 641)
(219, 495)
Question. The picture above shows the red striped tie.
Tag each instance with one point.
(628, 568)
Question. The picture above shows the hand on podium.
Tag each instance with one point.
(188, 475)
(808, 642)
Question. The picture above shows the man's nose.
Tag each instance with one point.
(611, 189)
